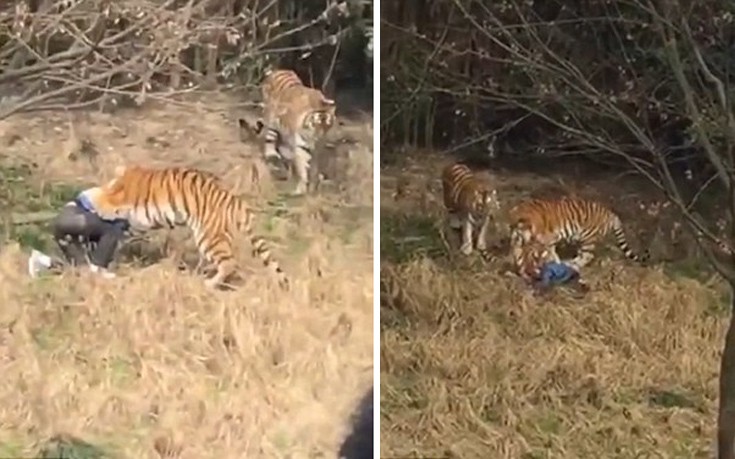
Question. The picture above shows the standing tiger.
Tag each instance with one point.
(153, 198)
(470, 202)
(572, 220)
(297, 119)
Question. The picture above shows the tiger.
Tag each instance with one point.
(529, 257)
(297, 119)
(152, 198)
(469, 201)
(573, 220)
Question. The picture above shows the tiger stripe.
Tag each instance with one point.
(551, 221)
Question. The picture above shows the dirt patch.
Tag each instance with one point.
(152, 361)
(474, 364)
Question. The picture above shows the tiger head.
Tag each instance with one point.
(529, 256)
(319, 121)
(110, 199)
(487, 202)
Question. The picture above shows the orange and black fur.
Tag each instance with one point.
(529, 257)
(154, 198)
(470, 202)
(572, 220)
(297, 119)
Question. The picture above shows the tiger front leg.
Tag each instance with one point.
(482, 237)
(314, 178)
(584, 257)
(552, 255)
(301, 167)
(453, 220)
(466, 247)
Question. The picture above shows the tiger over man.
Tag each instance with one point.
(470, 202)
(296, 120)
(540, 224)
(154, 198)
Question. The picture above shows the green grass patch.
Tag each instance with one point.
(406, 237)
(11, 448)
(691, 268)
(19, 195)
(67, 447)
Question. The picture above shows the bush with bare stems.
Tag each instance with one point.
(76, 53)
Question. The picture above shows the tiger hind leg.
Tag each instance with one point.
(224, 269)
(217, 250)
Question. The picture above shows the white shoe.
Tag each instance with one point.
(102, 271)
(37, 263)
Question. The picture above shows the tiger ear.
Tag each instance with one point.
(245, 126)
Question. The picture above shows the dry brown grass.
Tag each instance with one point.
(153, 358)
(474, 365)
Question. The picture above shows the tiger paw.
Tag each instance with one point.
(212, 283)
(466, 249)
(300, 190)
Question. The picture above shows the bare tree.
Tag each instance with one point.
(70, 54)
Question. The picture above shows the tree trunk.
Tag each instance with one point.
(726, 418)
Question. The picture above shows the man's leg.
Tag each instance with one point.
(110, 236)
(71, 233)
(74, 227)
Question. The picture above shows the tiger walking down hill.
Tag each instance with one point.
(296, 120)
(147, 198)
(573, 220)
(470, 202)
